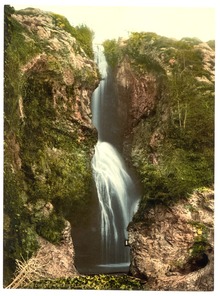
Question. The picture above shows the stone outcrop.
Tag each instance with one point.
(71, 74)
(139, 96)
(173, 248)
(54, 260)
(208, 61)
(57, 260)
(50, 262)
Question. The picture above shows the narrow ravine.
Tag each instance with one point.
(116, 192)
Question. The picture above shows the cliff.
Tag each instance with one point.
(166, 105)
(49, 79)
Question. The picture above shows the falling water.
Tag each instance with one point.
(115, 189)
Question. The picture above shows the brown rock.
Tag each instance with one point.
(65, 70)
(138, 95)
(173, 250)
(58, 260)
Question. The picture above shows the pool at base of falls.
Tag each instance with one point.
(111, 268)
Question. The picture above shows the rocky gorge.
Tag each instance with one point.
(166, 105)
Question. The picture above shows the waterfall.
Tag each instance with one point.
(115, 189)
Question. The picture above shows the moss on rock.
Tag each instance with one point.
(48, 133)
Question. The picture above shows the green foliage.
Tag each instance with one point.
(16, 34)
(83, 34)
(138, 48)
(211, 43)
(145, 50)
(51, 228)
(178, 173)
(8, 11)
(190, 133)
(97, 282)
(198, 248)
(20, 238)
(198, 252)
(19, 234)
(56, 166)
(112, 52)
(191, 41)
(19, 51)
(162, 183)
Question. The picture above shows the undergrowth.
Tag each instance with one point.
(91, 282)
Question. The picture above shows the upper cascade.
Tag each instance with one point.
(100, 59)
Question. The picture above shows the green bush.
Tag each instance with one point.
(211, 43)
(97, 282)
(83, 34)
(178, 174)
(51, 228)
(112, 52)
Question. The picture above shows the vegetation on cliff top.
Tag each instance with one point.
(83, 34)
(173, 147)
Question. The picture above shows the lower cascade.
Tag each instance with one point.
(114, 186)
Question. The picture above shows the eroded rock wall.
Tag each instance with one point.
(173, 248)
(138, 95)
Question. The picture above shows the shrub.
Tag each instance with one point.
(83, 34)
(112, 52)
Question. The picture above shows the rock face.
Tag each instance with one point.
(138, 95)
(173, 248)
(49, 137)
